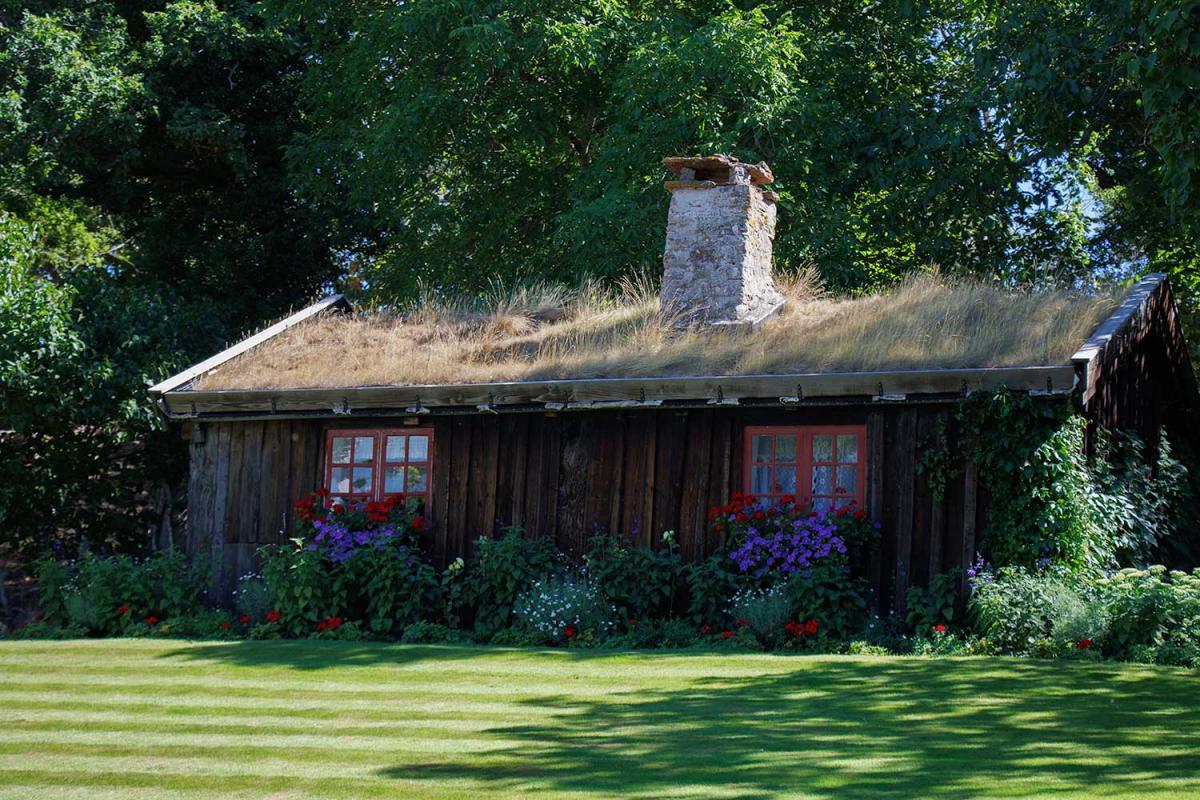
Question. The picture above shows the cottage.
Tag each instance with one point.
(567, 414)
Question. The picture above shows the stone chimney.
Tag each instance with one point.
(720, 229)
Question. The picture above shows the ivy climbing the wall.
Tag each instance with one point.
(1047, 503)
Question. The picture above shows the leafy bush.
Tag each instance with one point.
(640, 582)
(360, 563)
(829, 594)
(433, 633)
(764, 611)
(105, 595)
(1012, 608)
(711, 583)
(563, 607)
(1155, 609)
(503, 568)
(519, 637)
(933, 605)
(252, 597)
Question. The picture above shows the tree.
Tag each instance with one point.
(502, 138)
(148, 216)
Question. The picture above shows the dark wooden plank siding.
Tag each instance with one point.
(638, 473)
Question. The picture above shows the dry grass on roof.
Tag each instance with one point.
(928, 321)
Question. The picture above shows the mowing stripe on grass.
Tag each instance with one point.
(163, 719)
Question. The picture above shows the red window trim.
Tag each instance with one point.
(804, 461)
(379, 460)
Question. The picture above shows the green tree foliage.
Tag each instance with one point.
(146, 216)
(457, 143)
(1110, 89)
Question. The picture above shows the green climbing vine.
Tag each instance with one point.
(935, 464)
(1047, 503)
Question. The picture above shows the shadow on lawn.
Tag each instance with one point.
(853, 728)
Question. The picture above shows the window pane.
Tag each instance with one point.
(393, 480)
(339, 479)
(842, 502)
(785, 448)
(785, 480)
(414, 503)
(760, 447)
(340, 450)
(362, 479)
(364, 447)
(416, 479)
(822, 448)
(760, 480)
(822, 480)
(395, 448)
(820, 504)
(847, 480)
(847, 448)
(418, 448)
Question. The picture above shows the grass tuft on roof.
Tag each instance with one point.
(928, 321)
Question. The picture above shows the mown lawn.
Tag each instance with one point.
(139, 719)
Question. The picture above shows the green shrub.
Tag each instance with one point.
(1012, 608)
(105, 595)
(861, 648)
(484, 592)
(252, 597)
(562, 607)
(829, 594)
(711, 583)
(299, 586)
(674, 634)
(1156, 609)
(641, 583)
(383, 587)
(433, 633)
(519, 637)
(933, 605)
(764, 612)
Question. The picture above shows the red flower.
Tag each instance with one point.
(338, 508)
(787, 500)
(418, 523)
(274, 616)
(152, 620)
(570, 631)
(633, 623)
(940, 628)
(727, 634)
(742, 623)
(1084, 644)
(860, 515)
(335, 623)
(794, 628)
(759, 516)
(706, 630)
(225, 626)
(719, 527)
(321, 627)
(811, 627)
(714, 512)
(741, 517)
(122, 610)
(244, 619)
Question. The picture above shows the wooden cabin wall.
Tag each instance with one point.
(1144, 382)
(568, 475)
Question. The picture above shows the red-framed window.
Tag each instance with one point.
(824, 465)
(372, 464)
